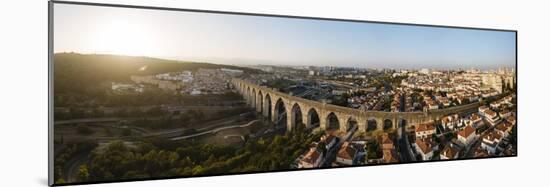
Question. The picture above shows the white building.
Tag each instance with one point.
(490, 142)
(467, 135)
(491, 116)
(424, 148)
(493, 81)
(450, 121)
(424, 130)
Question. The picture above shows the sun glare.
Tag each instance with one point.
(122, 37)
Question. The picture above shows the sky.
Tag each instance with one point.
(250, 40)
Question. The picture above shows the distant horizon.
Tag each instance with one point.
(281, 65)
(253, 40)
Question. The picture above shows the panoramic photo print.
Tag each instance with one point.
(141, 93)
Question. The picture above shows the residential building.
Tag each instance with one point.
(424, 130)
(386, 141)
(450, 121)
(504, 114)
(312, 159)
(449, 152)
(467, 135)
(491, 117)
(389, 156)
(490, 142)
(425, 148)
(346, 154)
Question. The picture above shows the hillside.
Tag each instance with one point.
(78, 73)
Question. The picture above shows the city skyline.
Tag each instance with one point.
(253, 40)
(142, 93)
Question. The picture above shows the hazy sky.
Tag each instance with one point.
(238, 39)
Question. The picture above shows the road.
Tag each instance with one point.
(236, 103)
(405, 152)
(71, 168)
(213, 131)
(209, 125)
(90, 120)
(469, 150)
(403, 144)
(234, 135)
(331, 154)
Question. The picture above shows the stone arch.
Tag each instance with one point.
(401, 123)
(350, 123)
(253, 98)
(259, 102)
(372, 124)
(241, 89)
(388, 124)
(296, 116)
(280, 112)
(333, 123)
(247, 95)
(312, 118)
(267, 106)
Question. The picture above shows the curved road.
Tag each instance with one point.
(213, 131)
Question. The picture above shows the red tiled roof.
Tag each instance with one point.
(493, 136)
(425, 127)
(449, 151)
(386, 139)
(389, 156)
(474, 117)
(347, 151)
(423, 145)
(466, 132)
(502, 126)
(312, 156)
(490, 112)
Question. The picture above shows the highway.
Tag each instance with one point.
(208, 126)
(213, 131)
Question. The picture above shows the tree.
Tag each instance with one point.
(373, 150)
(60, 181)
(83, 173)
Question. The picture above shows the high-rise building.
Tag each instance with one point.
(493, 81)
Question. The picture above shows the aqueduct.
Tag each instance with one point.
(272, 103)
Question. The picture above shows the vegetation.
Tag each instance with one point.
(340, 100)
(281, 84)
(514, 136)
(374, 151)
(386, 81)
(85, 80)
(164, 158)
(69, 151)
(184, 119)
(83, 173)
